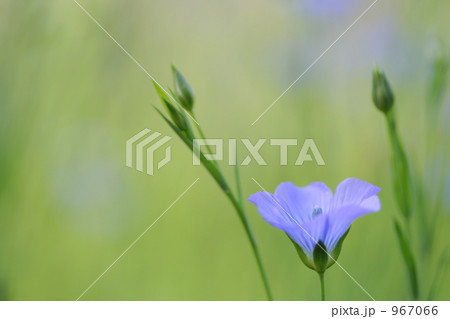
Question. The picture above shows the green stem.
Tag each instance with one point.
(238, 204)
(322, 285)
(238, 186)
(251, 237)
(216, 173)
(213, 168)
(200, 132)
(401, 177)
(402, 183)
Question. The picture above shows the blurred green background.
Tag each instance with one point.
(70, 98)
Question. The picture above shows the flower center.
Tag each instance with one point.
(316, 211)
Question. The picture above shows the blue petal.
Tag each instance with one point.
(301, 201)
(340, 219)
(271, 209)
(308, 235)
(352, 192)
(290, 209)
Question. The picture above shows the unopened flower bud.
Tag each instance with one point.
(177, 116)
(382, 95)
(183, 90)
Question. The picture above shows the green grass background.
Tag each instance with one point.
(70, 98)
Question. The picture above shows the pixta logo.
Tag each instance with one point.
(253, 151)
(146, 143)
(145, 146)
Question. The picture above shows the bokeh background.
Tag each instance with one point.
(70, 98)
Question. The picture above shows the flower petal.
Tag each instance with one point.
(353, 191)
(290, 210)
(270, 209)
(300, 201)
(308, 235)
(340, 220)
(372, 203)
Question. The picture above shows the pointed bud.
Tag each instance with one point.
(177, 117)
(183, 90)
(381, 91)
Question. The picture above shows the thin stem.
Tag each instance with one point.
(402, 183)
(238, 186)
(248, 230)
(238, 204)
(401, 177)
(322, 285)
(250, 234)
(214, 169)
(200, 132)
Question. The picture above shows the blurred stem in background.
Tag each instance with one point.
(437, 83)
(179, 114)
(413, 195)
(436, 90)
(430, 184)
(431, 195)
(383, 99)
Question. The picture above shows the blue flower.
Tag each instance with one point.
(313, 216)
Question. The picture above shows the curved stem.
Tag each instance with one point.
(322, 285)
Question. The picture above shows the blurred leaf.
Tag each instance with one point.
(439, 274)
(423, 213)
(408, 257)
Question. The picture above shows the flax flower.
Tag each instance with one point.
(315, 219)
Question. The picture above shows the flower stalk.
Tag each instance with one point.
(322, 285)
(180, 124)
(383, 99)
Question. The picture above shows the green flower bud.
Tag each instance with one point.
(179, 118)
(382, 95)
(183, 90)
